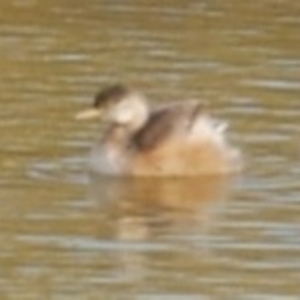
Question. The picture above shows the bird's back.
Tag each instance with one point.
(166, 123)
(181, 139)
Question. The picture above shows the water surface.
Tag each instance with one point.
(68, 235)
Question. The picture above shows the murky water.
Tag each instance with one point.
(68, 235)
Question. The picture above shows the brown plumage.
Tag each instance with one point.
(163, 123)
(179, 139)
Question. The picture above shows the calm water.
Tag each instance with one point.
(67, 235)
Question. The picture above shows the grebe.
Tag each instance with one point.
(177, 139)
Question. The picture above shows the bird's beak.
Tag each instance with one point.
(88, 114)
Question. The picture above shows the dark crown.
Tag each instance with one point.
(111, 94)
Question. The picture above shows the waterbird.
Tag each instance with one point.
(177, 139)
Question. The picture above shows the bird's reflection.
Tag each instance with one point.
(139, 204)
(156, 214)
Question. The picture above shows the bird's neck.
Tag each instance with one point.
(118, 137)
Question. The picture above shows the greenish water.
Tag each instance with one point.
(67, 235)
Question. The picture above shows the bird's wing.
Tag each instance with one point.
(165, 122)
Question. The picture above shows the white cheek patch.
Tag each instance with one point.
(122, 113)
(132, 111)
